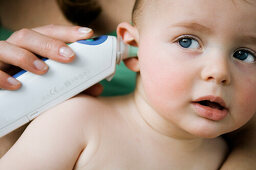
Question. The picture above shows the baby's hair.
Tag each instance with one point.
(80, 12)
(137, 8)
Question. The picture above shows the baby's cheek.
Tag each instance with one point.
(246, 101)
(165, 85)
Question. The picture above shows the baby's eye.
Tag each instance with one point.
(245, 56)
(188, 42)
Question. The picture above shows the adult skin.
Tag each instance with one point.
(43, 12)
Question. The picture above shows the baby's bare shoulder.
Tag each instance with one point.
(82, 109)
(78, 113)
(84, 105)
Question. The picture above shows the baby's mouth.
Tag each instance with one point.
(213, 102)
(210, 107)
(213, 105)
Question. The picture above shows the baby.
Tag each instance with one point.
(196, 81)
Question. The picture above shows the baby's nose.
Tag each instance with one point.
(217, 69)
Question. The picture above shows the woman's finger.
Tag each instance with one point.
(65, 33)
(95, 90)
(7, 82)
(47, 41)
(42, 45)
(22, 58)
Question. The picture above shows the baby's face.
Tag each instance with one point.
(198, 63)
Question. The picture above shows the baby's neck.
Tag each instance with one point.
(156, 126)
(149, 119)
(153, 127)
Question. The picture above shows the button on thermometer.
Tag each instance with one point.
(95, 60)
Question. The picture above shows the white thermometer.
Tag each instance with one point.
(95, 60)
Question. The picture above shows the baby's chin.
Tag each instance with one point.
(205, 134)
(206, 130)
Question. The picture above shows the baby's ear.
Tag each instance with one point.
(128, 33)
(130, 36)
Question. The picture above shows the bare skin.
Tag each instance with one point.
(118, 131)
(238, 154)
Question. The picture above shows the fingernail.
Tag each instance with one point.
(66, 52)
(13, 81)
(84, 30)
(40, 65)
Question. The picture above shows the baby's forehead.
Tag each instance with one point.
(204, 9)
(143, 5)
(232, 20)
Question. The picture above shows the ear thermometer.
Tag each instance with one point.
(95, 60)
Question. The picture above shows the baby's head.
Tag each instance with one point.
(197, 62)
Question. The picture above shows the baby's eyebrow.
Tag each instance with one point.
(194, 26)
(249, 39)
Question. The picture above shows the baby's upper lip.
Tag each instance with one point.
(212, 98)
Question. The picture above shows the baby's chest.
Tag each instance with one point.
(122, 149)
(117, 160)
(123, 153)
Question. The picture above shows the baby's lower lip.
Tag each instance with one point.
(209, 112)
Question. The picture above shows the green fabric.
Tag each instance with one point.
(122, 83)
(124, 80)
(4, 33)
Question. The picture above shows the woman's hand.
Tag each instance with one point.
(21, 50)
(23, 46)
